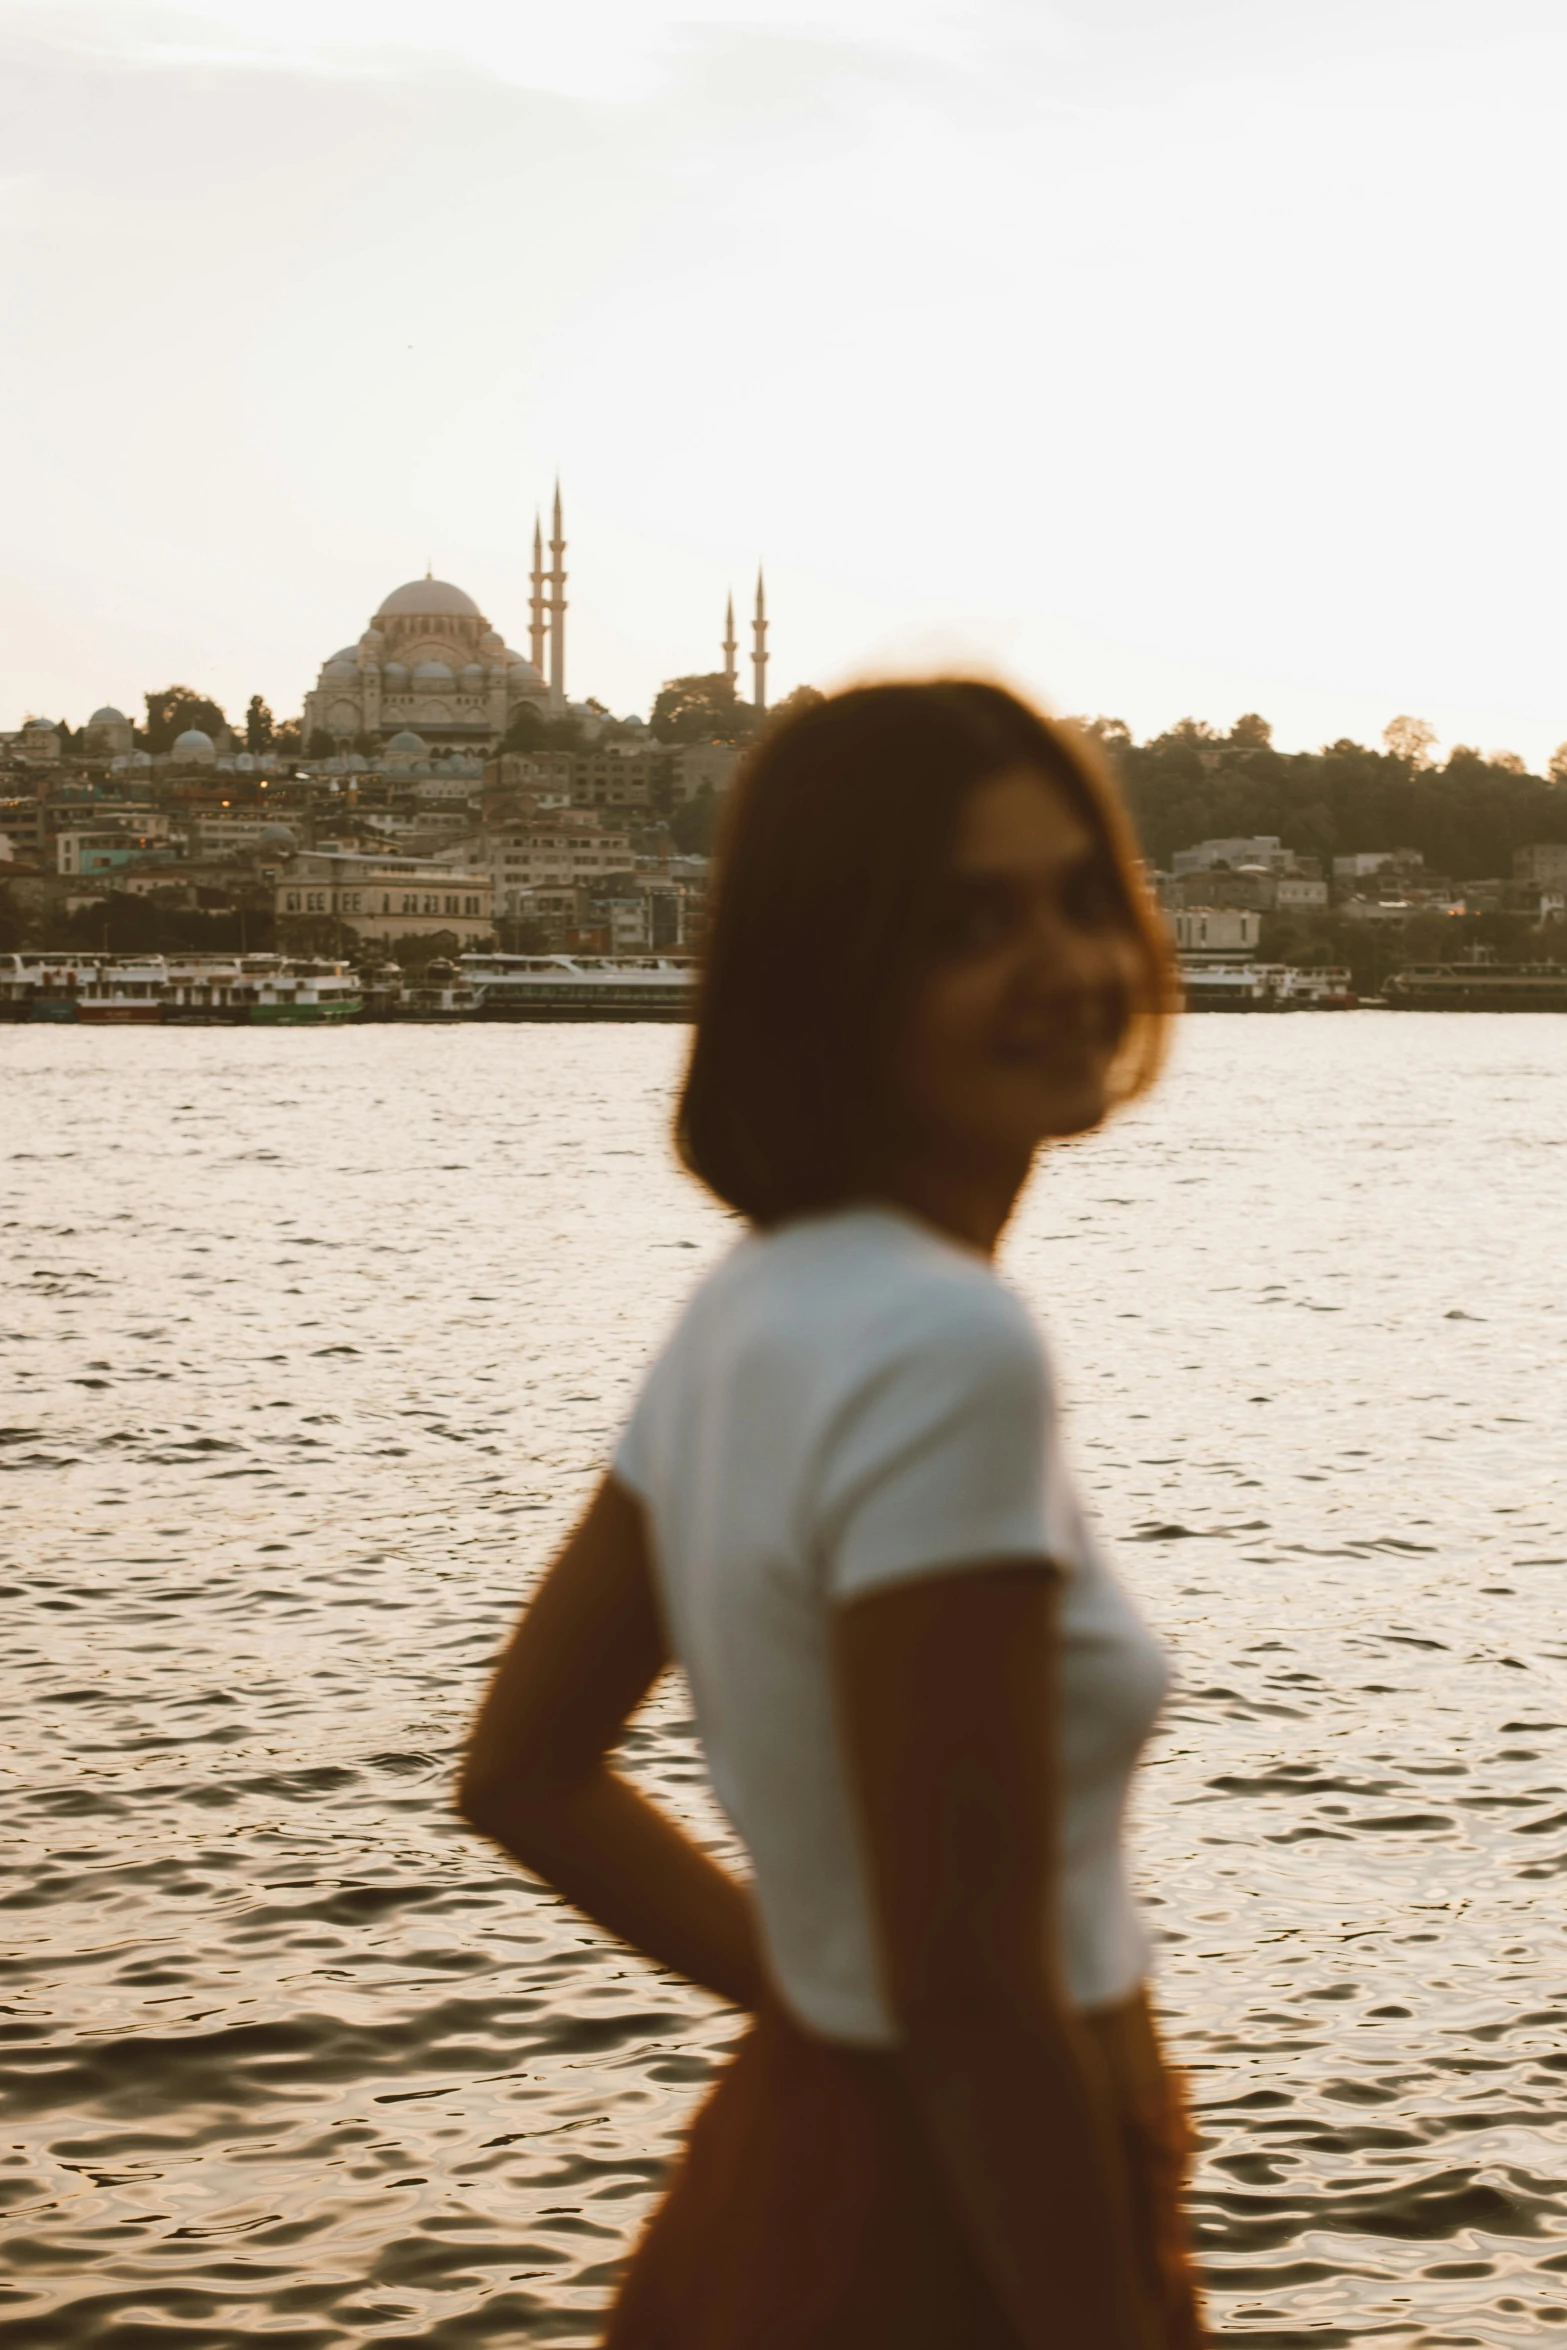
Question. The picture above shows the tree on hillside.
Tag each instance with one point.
(259, 728)
(176, 708)
(692, 825)
(1556, 767)
(1410, 739)
(531, 730)
(701, 709)
(1465, 818)
(1251, 733)
(804, 697)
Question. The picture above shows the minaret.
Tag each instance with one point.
(557, 581)
(759, 649)
(731, 646)
(536, 602)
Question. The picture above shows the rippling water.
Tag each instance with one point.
(312, 1345)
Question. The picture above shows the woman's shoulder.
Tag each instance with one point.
(848, 1299)
(889, 1292)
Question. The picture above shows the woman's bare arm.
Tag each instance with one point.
(948, 1694)
(537, 1778)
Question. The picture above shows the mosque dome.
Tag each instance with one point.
(193, 748)
(474, 670)
(407, 745)
(435, 670)
(108, 716)
(393, 669)
(430, 598)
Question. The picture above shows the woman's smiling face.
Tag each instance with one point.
(1017, 1026)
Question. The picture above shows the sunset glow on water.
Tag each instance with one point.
(314, 1342)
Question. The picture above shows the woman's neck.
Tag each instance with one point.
(970, 1204)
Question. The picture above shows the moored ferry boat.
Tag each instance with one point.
(1478, 987)
(582, 987)
(203, 992)
(1224, 987)
(442, 993)
(44, 986)
(277, 991)
(1216, 986)
(18, 984)
(124, 992)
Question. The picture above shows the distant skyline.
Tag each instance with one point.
(1175, 359)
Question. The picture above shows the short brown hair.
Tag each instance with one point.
(839, 838)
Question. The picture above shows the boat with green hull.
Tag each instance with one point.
(1479, 986)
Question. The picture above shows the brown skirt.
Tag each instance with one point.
(807, 2214)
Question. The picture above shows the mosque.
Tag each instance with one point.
(431, 665)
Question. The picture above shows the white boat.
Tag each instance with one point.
(127, 991)
(1224, 987)
(45, 986)
(582, 987)
(1479, 986)
(204, 991)
(277, 990)
(441, 994)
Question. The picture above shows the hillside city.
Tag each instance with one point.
(441, 796)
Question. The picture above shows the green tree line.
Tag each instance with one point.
(1466, 816)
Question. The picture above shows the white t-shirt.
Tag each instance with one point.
(849, 1402)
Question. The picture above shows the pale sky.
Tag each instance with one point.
(1174, 356)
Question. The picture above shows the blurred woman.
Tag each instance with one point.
(841, 1504)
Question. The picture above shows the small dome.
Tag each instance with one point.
(473, 669)
(423, 598)
(338, 667)
(195, 747)
(393, 669)
(406, 745)
(38, 726)
(493, 644)
(518, 667)
(437, 671)
(108, 716)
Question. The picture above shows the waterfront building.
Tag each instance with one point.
(1254, 887)
(38, 743)
(384, 900)
(558, 854)
(1543, 865)
(232, 832)
(616, 775)
(697, 767)
(82, 849)
(1215, 930)
(1372, 865)
(1263, 848)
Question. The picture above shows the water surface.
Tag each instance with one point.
(313, 1343)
